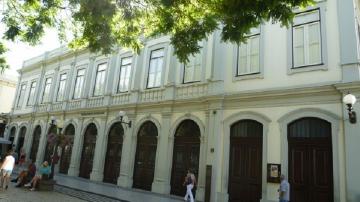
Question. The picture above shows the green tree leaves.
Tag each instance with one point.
(104, 25)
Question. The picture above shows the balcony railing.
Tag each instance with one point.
(152, 95)
(42, 108)
(191, 91)
(95, 102)
(74, 104)
(56, 106)
(121, 99)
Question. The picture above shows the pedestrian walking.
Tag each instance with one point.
(189, 183)
(7, 168)
(194, 182)
(284, 190)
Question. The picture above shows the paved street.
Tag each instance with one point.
(24, 195)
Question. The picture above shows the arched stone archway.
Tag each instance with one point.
(49, 149)
(145, 156)
(21, 139)
(186, 154)
(113, 153)
(35, 143)
(67, 149)
(88, 151)
(310, 160)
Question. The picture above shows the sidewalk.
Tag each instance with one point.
(13, 194)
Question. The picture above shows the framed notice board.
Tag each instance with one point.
(273, 172)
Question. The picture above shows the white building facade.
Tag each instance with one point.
(233, 114)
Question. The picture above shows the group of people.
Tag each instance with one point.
(28, 177)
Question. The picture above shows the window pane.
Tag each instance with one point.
(299, 58)
(31, 97)
(46, 93)
(100, 79)
(314, 43)
(79, 83)
(125, 69)
(61, 90)
(155, 68)
(242, 59)
(192, 70)
(254, 55)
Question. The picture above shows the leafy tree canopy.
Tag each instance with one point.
(101, 25)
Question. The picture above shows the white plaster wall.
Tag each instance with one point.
(274, 153)
(276, 51)
(7, 95)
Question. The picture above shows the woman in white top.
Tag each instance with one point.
(6, 169)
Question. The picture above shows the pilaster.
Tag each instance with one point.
(124, 179)
(76, 151)
(161, 183)
(100, 152)
(42, 144)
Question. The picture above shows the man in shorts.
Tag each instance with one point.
(6, 169)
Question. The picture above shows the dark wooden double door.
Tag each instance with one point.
(49, 149)
(185, 155)
(310, 161)
(88, 150)
(35, 143)
(21, 140)
(113, 154)
(245, 166)
(145, 156)
(67, 149)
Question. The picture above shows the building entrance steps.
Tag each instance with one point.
(112, 191)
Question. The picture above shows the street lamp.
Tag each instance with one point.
(52, 120)
(349, 100)
(121, 116)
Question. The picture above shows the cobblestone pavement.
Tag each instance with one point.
(13, 194)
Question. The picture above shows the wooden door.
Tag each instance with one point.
(145, 156)
(35, 143)
(185, 155)
(310, 160)
(67, 149)
(21, 139)
(113, 154)
(49, 149)
(88, 150)
(245, 166)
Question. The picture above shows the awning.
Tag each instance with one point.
(4, 141)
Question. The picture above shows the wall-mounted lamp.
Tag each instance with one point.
(121, 116)
(349, 100)
(52, 120)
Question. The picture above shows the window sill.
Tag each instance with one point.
(308, 68)
(248, 76)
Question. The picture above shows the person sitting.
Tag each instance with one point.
(26, 175)
(44, 170)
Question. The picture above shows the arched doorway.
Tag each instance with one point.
(49, 149)
(20, 142)
(185, 155)
(11, 137)
(88, 150)
(35, 143)
(310, 160)
(113, 153)
(145, 156)
(245, 166)
(67, 149)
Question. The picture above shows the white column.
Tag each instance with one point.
(76, 150)
(100, 152)
(161, 183)
(125, 179)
